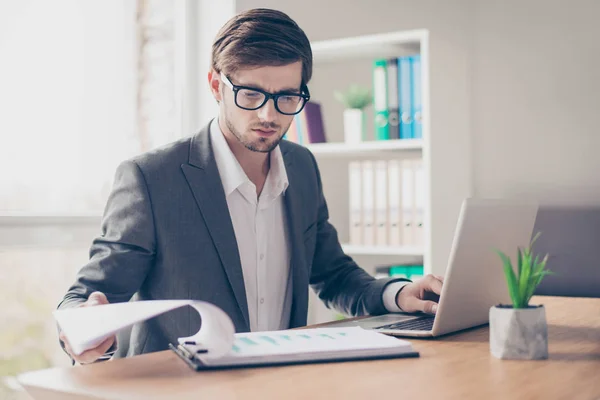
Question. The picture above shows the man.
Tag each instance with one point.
(233, 215)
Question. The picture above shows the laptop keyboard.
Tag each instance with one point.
(418, 324)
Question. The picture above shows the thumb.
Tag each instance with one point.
(428, 307)
(96, 299)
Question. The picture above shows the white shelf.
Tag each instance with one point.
(353, 250)
(379, 45)
(365, 148)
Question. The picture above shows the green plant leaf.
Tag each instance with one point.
(524, 278)
(519, 260)
(511, 279)
(355, 97)
(538, 274)
(531, 271)
(535, 238)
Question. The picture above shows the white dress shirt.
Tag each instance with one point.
(260, 227)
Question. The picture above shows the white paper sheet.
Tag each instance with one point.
(87, 327)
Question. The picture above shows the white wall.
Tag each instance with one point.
(536, 100)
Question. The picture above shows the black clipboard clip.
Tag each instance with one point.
(188, 357)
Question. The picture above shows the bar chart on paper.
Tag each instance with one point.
(287, 342)
(306, 345)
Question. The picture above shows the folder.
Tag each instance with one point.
(394, 203)
(380, 100)
(419, 208)
(417, 103)
(408, 201)
(368, 203)
(312, 123)
(392, 99)
(302, 346)
(355, 203)
(404, 90)
(381, 203)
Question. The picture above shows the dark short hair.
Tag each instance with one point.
(261, 37)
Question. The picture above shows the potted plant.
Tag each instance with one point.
(519, 330)
(354, 99)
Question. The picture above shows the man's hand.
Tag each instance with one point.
(90, 355)
(422, 295)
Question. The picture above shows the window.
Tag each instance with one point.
(85, 85)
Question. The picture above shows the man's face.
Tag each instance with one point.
(258, 130)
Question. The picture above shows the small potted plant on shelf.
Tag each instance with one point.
(355, 99)
(519, 330)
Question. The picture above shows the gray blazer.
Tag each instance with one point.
(167, 234)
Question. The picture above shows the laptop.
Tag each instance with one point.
(474, 279)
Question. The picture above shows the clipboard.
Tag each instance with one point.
(367, 345)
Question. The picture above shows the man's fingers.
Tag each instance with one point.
(104, 346)
(439, 278)
(92, 355)
(428, 307)
(96, 298)
(435, 285)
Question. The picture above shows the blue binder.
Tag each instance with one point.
(416, 97)
(404, 91)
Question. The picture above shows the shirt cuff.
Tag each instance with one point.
(389, 296)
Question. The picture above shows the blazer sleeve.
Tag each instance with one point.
(339, 282)
(122, 255)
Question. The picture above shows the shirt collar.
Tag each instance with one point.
(232, 173)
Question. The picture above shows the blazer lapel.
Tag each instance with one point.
(298, 269)
(203, 178)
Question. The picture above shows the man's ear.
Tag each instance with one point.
(214, 81)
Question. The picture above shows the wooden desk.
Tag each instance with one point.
(458, 366)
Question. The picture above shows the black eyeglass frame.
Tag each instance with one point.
(304, 94)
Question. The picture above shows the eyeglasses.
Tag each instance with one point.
(249, 98)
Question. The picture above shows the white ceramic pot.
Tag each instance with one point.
(518, 333)
(354, 125)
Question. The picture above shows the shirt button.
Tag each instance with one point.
(262, 300)
(262, 256)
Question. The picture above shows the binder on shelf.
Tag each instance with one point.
(355, 203)
(368, 203)
(392, 99)
(419, 209)
(380, 99)
(311, 122)
(394, 203)
(381, 203)
(408, 271)
(417, 102)
(404, 90)
(408, 203)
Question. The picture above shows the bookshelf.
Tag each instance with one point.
(390, 44)
(370, 148)
(334, 155)
(444, 148)
(354, 250)
(340, 62)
